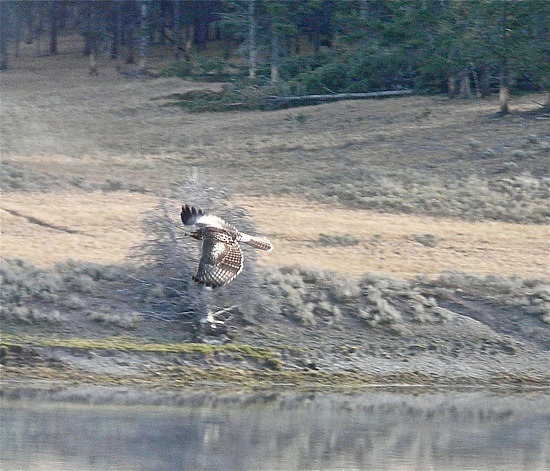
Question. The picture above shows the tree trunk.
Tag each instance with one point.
(19, 29)
(227, 47)
(251, 40)
(189, 34)
(92, 37)
(504, 92)
(364, 9)
(485, 80)
(275, 60)
(477, 84)
(131, 41)
(53, 27)
(465, 88)
(276, 102)
(201, 33)
(177, 29)
(29, 16)
(39, 28)
(143, 38)
(504, 100)
(3, 37)
(88, 25)
(161, 25)
(316, 41)
(91, 58)
(451, 86)
(117, 34)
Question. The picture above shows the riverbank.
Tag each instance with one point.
(411, 240)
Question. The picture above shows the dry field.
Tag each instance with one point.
(411, 186)
(46, 228)
(103, 227)
(402, 245)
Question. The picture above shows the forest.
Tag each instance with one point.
(295, 48)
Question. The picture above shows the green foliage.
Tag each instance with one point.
(395, 45)
(183, 69)
(128, 344)
(230, 99)
(241, 95)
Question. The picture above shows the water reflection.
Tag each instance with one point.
(280, 431)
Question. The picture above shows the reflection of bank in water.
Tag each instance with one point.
(377, 430)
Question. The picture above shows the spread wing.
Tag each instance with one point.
(192, 216)
(221, 260)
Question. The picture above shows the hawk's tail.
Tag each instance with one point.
(257, 242)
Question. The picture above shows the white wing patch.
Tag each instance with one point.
(211, 221)
(218, 249)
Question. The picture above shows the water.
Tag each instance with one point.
(378, 430)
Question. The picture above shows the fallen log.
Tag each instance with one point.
(312, 99)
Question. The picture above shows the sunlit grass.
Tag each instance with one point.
(129, 344)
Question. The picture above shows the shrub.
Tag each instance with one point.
(74, 303)
(428, 240)
(21, 282)
(127, 320)
(30, 314)
(338, 240)
(313, 297)
(531, 297)
(31, 295)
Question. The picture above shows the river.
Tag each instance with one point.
(376, 430)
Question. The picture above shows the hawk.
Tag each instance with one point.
(221, 260)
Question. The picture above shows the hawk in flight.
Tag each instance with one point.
(221, 260)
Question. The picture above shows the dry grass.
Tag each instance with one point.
(59, 121)
(105, 227)
(388, 242)
(95, 227)
(71, 135)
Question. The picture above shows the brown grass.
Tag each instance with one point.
(108, 225)
(388, 242)
(58, 120)
(95, 227)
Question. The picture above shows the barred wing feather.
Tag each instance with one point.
(221, 259)
(220, 262)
